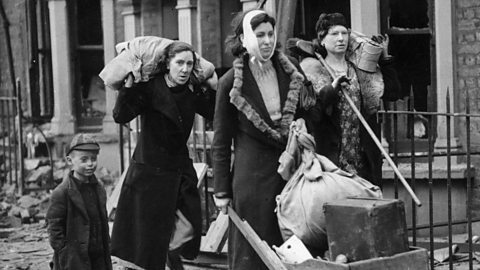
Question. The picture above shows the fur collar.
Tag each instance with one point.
(280, 133)
(371, 84)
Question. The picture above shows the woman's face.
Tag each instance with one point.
(180, 67)
(336, 40)
(265, 38)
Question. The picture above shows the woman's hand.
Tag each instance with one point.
(222, 204)
(129, 80)
(383, 41)
(340, 81)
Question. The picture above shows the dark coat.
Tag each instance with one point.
(161, 177)
(69, 228)
(323, 121)
(253, 181)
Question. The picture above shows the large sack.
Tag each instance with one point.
(140, 57)
(315, 181)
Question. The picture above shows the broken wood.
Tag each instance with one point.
(112, 201)
(214, 240)
(201, 170)
(268, 256)
(443, 254)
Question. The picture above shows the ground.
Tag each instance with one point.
(27, 248)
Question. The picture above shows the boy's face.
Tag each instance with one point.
(83, 163)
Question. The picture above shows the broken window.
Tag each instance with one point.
(87, 40)
(408, 24)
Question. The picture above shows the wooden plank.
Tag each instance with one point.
(112, 201)
(316, 264)
(216, 236)
(414, 259)
(201, 170)
(265, 253)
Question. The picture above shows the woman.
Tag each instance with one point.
(256, 102)
(161, 177)
(338, 133)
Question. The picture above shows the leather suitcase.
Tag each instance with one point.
(365, 228)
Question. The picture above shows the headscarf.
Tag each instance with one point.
(250, 42)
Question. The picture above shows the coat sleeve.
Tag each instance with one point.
(224, 125)
(325, 95)
(205, 103)
(56, 219)
(130, 103)
(392, 88)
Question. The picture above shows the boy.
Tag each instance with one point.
(77, 215)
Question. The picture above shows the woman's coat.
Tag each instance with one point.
(253, 181)
(161, 177)
(324, 118)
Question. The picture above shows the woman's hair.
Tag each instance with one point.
(324, 23)
(233, 41)
(172, 50)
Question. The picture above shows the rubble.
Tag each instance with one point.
(31, 207)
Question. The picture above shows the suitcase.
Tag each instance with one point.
(365, 228)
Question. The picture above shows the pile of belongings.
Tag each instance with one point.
(312, 181)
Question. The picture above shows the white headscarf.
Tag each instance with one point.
(250, 41)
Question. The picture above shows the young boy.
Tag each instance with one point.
(77, 215)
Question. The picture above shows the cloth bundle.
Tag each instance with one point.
(312, 181)
(363, 52)
(140, 57)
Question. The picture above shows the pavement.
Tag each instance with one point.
(27, 248)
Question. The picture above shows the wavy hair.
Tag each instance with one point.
(173, 49)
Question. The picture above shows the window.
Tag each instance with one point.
(408, 24)
(40, 63)
(87, 45)
(308, 11)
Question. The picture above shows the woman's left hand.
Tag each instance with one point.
(383, 41)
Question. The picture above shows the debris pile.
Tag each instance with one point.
(40, 180)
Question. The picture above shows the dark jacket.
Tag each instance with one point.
(252, 182)
(323, 120)
(69, 228)
(161, 177)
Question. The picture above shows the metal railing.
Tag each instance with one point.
(11, 141)
(437, 185)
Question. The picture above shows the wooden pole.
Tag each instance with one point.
(373, 136)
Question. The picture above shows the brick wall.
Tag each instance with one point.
(467, 53)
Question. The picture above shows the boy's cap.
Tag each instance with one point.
(83, 142)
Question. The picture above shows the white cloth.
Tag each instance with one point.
(250, 41)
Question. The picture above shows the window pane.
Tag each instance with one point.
(408, 13)
(89, 22)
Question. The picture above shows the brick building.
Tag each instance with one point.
(59, 46)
